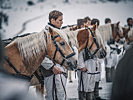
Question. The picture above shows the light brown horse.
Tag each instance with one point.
(24, 55)
(86, 37)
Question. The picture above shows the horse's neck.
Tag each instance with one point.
(106, 32)
(32, 49)
(72, 36)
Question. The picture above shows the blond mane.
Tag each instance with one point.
(105, 31)
(31, 46)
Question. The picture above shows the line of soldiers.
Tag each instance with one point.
(89, 70)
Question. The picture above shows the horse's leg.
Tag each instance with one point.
(41, 89)
(70, 76)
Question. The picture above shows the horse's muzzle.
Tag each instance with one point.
(71, 66)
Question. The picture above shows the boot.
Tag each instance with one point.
(89, 96)
(108, 75)
(96, 90)
(82, 95)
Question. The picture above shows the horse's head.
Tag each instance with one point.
(117, 33)
(128, 34)
(59, 50)
(88, 39)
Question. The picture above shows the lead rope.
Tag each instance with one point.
(81, 81)
(54, 89)
(63, 86)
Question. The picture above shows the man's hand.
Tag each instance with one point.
(56, 70)
(84, 69)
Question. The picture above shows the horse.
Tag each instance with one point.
(128, 34)
(112, 33)
(24, 55)
(83, 37)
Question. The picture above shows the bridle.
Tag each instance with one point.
(117, 34)
(87, 50)
(60, 51)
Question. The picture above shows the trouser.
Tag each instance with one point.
(86, 95)
(110, 73)
(96, 90)
(60, 83)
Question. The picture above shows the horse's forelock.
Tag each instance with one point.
(82, 36)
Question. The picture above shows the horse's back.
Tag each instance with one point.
(13, 55)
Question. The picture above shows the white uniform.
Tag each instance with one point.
(98, 69)
(89, 76)
(112, 60)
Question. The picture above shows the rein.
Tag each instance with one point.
(87, 50)
(117, 34)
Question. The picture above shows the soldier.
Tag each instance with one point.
(87, 21)
(107, 20)
(54, 79)
(98, 68)
(129, 23)
(86, 81)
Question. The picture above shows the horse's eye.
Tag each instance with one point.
(62, 43)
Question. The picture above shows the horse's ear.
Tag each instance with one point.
(94, 27)
(118, 23)
(86, 26)
(50, 30)
(76, 27)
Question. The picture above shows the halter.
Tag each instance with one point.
(87, 50)
(58, 49)
(117, 34)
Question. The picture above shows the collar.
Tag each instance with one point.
(53, 25)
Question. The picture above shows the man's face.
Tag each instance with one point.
(58, 22)
(130, 22)
(88, 23)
